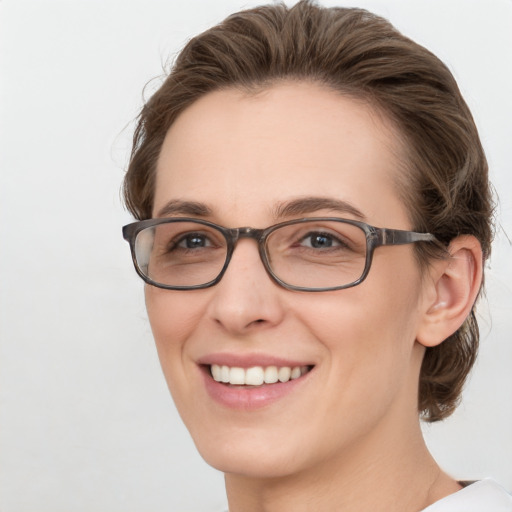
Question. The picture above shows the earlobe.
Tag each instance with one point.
(451, 290)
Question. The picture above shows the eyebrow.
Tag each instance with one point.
(306, 205)
(299, 206)
(179, 207)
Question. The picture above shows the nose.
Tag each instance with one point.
(246, 298)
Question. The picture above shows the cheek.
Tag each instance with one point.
(369, 332)
(173, 316)
(368, 314)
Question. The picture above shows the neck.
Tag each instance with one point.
(398, 475)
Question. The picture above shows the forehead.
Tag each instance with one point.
(244, 152)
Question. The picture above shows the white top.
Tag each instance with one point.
(482, 496)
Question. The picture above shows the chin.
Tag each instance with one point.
(249, 454)
(250, 465)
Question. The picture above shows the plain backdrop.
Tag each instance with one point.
(86, 423)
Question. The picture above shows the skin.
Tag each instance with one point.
(349, 434)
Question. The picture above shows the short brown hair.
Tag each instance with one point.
(359, 54)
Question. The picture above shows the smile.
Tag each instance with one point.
(256, 375)
(252, 382)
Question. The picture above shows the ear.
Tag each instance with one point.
(451, 289)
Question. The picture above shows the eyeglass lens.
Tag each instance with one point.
(315, 254)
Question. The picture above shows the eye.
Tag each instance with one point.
(193, 241)
(319, 240)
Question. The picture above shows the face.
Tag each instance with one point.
(238, 160)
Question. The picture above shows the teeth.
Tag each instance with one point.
(237, 376)
(295, 373)
(256, 375)
(216, 372)
(271, 375)
(284, 374)
(224, 374)
(253, 376)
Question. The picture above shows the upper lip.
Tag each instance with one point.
(250, 360)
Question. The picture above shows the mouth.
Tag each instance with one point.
(252, 382)
(256, 376)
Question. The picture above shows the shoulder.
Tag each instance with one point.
(482, 496)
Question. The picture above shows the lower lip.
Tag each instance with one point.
(249, 397)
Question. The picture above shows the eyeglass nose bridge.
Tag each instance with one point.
(235, 234)
(247, 232)
(257, 234)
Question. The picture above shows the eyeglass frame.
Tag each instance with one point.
(375, 237)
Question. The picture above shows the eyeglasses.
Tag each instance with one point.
(313, 254)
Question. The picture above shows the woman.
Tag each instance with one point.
(314, 215)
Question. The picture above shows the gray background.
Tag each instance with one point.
(86, 423)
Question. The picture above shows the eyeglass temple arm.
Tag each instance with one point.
(401, 237)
